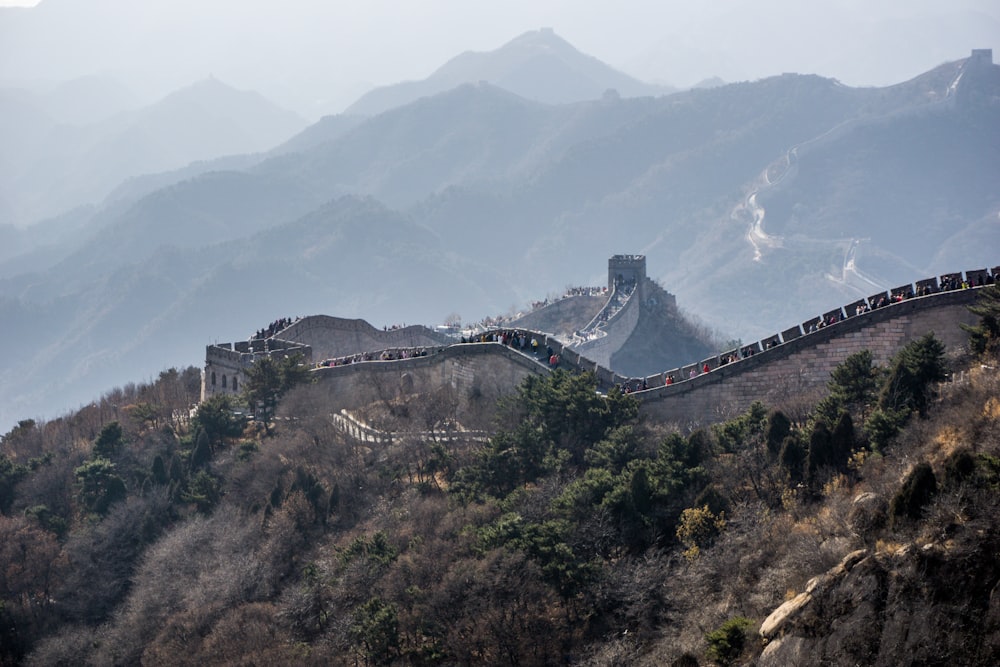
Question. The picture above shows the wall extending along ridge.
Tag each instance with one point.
(479, 374)
(794, 365)
(616, 331)
(317, 337)
(331, 337)
(801, 367)
(795, 370)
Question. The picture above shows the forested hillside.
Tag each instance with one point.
(579, 532)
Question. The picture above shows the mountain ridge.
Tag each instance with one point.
(57, 166)
(523, 198)
(514, 66)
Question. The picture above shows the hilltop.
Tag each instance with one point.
(538, 65)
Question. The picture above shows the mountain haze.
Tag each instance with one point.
(758, 204)
(538, 65)
(52, 166)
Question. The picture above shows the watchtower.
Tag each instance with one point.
(982, 56)
(626, 269)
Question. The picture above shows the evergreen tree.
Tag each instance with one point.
(109, 441)
(270, 379)
(855, 381)
(842, 441)
(778, 428)
(959, 467)
(913, 371)
(792, 458)
(853, 386)
(202, 490)
(918, 489)
(820, 453)
(176, 471)
(10, 475)
(882, 426)
(99, 485)
(736, 433)
(202, 452)
(984, 338)
(159, 472)
(216, 418)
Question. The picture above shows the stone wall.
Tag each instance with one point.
(226, 363)
(616, 331)
(331, 337)
(800, 368)
(793, 366)
(479, 374)
(794, 371)
(563, 316)
(626, 268)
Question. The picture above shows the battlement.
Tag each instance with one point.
(793, 363)
(982, 56)
(626, 269)
(226, 363)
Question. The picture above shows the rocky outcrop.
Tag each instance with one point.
(817, 586)
(931, 604)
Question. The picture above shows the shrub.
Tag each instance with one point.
(697, 528)
(958, 468)
(726, 644)
(919, 487)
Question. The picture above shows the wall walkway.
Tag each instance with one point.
(793, 365)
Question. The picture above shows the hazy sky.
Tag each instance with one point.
(317, 55)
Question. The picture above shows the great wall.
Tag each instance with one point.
(356, 364)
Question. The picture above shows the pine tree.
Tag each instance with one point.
(919, 487)
(820, 451)
(202, 452)
(109, 441)
(842, 441)
(778, 428)
(792, 458)
(913, 372)
(984, 338)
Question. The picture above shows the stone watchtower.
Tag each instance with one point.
(626, 269)
(977, 80)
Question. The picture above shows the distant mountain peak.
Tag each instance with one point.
(542, 38)
(537, 65)
(209, 84)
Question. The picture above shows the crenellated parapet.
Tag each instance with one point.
(316, 337)
(337, 336)
(629, 290)
(784, 370)
(226, 364)
(794, 364)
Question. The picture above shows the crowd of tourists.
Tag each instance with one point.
(947, 283)
(392, 354)
(570, 291)
(951, 282)
(623, 290)
(274, 327)
(527, 342)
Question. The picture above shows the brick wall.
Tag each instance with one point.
(800, 368)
